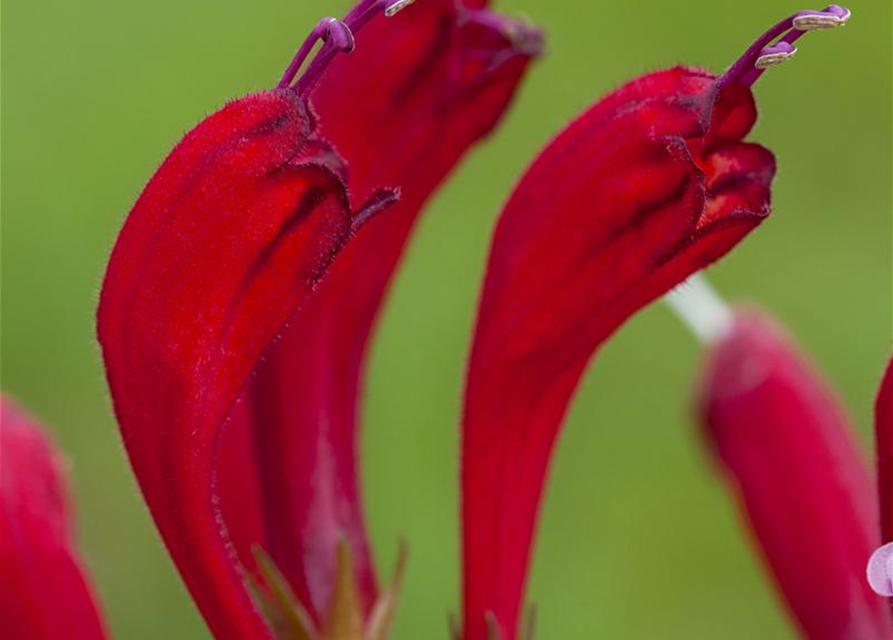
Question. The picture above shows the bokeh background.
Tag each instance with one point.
(638, 539)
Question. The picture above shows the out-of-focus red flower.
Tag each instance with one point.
(789, 454)
(880, 566)
(884, 437)
(649, 185)
(45, 594)
(229, 238)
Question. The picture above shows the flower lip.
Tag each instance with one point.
(774, 46)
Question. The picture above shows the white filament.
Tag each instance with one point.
(880, 571)
(701, 309)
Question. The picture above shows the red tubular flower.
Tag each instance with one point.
(228, 239)
(789, 453)
(649, 185)
(45, 593)
(422, 90)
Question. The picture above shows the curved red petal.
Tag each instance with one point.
(789, 453)
(624, 204)
(226, 240)
(418, 92)
(884, 441)
(46, 594)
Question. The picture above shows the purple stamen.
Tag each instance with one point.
(774, 46)
(337, 36)
(328, 30)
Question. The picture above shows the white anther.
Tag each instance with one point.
(880, 571)
(397, 7)
(819, 21)
(773, 58)
(701, 309)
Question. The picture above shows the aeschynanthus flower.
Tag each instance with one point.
(788, 450)
(649, 185)
(229, 237)
(45, 593)
(401, 111)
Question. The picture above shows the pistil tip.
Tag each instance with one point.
(775, 54)
(396, 6)
(829, 18)
(338, 33)
(880, 571)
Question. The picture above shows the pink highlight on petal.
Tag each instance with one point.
(880, 571)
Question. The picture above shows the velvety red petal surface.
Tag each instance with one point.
(45, 593)
(646, 187)
(884, 438)
(419, 90)
(789, 454)
(227, 239)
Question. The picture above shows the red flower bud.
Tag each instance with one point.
(789, 453)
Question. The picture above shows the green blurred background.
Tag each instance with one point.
(638, 539)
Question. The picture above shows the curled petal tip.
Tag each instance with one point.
(525, 37)
(880, 571)
(396, 6)
(829, 18)
(775, 54)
